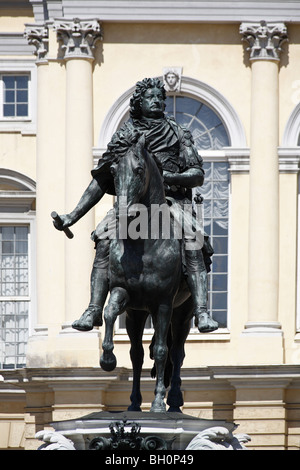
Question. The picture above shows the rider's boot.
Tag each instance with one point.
(93, 314)
(197, 282)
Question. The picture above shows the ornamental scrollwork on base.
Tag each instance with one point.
(214, 438)
(127, 440)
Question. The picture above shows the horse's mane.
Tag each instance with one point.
(121, 141)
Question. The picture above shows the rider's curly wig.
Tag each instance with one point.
(140, 89)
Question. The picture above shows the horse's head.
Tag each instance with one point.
(131, 173)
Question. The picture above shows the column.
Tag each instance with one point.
(78, 39)
(264, 44)
(37, 35)
(49, 176)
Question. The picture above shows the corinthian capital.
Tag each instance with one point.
(37, 36)
(78, 37)
(264, 39)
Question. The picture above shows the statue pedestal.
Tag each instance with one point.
(129, 430)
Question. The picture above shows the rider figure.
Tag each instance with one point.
(173, 149)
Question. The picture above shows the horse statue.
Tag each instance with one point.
(145, 278)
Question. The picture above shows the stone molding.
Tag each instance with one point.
(200, 11)
(38, 36)
(264, 39)
(14, 43)
(78, 37)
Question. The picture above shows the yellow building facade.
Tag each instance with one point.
(67, 71)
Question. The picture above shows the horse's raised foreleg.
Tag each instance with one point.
(135, 323)
(116, 305)
(161, 321)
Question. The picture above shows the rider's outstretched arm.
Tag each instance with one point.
(91, 196)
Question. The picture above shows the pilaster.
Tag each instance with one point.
(64, 163)
(38, 36)
(262, 335)
(78, 39)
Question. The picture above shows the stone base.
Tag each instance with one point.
(128, 430)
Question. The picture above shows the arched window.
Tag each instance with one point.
(17, 234)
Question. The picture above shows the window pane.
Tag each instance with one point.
(7, 233)
(7, 247)
(221, 189)
(220, 171)
(9, 96)
(220, 227)
(22, 96)
(220, 245)
(22, 81)
(219, 264)
(9, 81)
(21, 247)
(209, 117)
(8, 110)
(220, 300)
(221, 317)
(21, 233)
(22, 110)
(205, 125)
(219, 282)
(188, 105)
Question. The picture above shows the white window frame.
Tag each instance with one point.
(25, 125)
(15, 209)
(12, 219)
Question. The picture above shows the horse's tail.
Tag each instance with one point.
(169, 364)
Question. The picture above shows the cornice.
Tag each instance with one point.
(193, 11)
(14, 43)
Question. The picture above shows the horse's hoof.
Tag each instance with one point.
(174, 409)
(134, 408)
(108, 363)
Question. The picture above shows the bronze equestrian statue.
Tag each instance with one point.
(173, 272)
